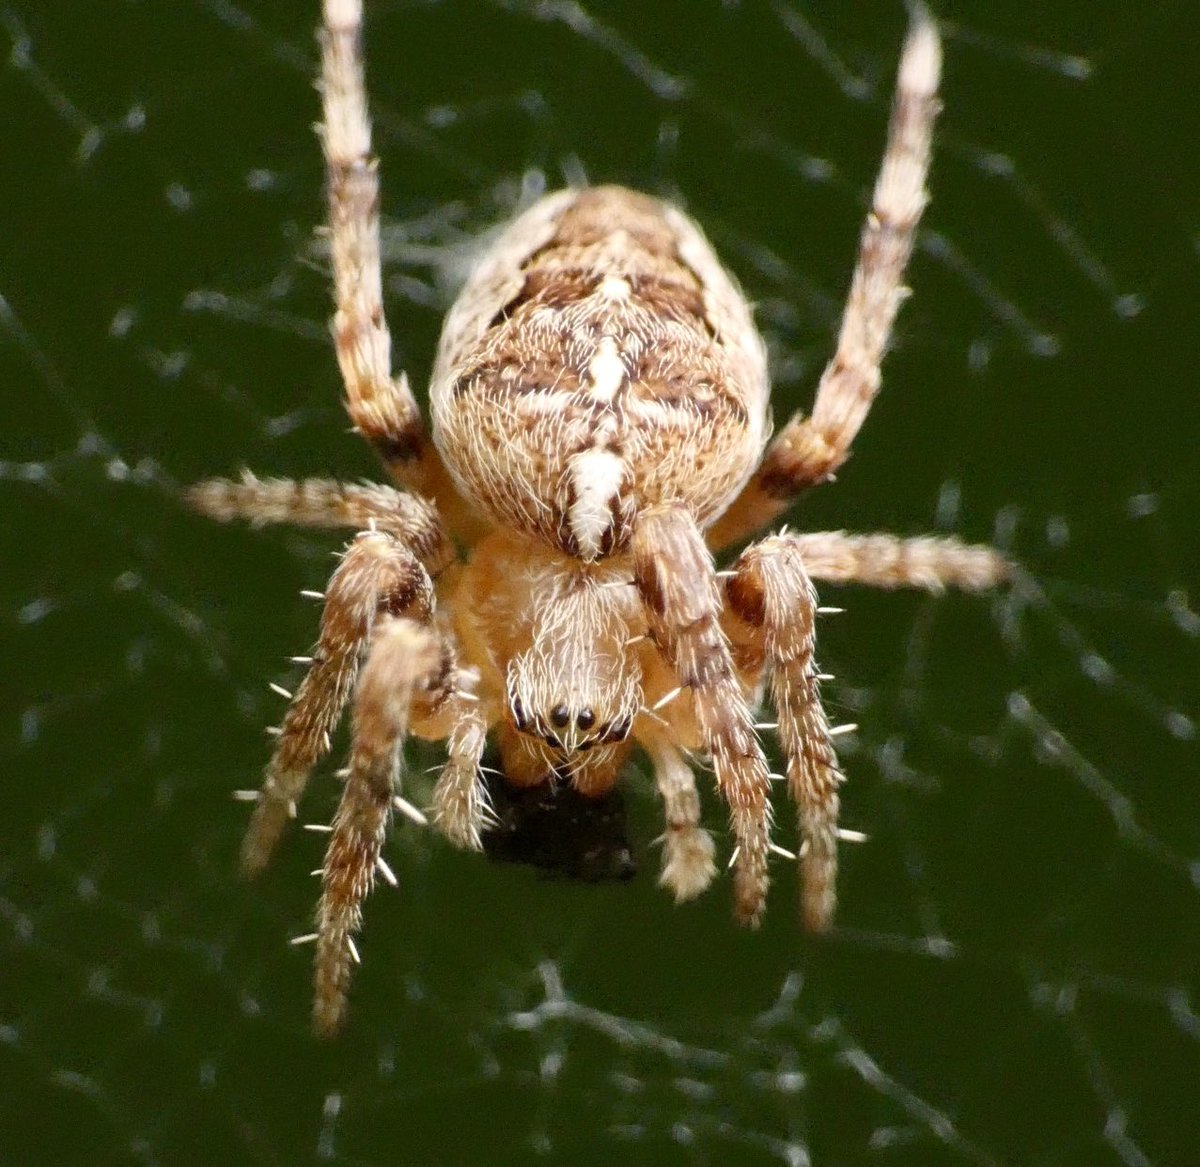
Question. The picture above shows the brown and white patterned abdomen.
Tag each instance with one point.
(598, 361)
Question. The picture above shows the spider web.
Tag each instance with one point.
(1015, 975)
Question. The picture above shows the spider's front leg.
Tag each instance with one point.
(770, 617)
(674, 574)
(376, 574)
(409, 681)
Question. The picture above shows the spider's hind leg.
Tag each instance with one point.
(381, 405)
(809, 450)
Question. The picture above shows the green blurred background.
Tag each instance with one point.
(1015, 978)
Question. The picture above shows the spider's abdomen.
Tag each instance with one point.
(599, 360)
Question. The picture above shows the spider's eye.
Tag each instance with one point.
(586, 719)
(560, 715)
(519, 717)
(619, 730)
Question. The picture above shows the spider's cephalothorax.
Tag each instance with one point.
(545, 576)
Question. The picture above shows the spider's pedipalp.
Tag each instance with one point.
(687, 864)
(405, 657)
(377, 573)
(461, 810)
(770, 616)
(809, 450)
(674, 574)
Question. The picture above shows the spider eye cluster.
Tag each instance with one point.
(566, 727)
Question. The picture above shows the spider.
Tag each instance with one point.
(544, 575)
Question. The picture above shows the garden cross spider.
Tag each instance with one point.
(545, 575)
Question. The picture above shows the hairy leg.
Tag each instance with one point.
(770, 615)
(888, 561)
(377, 575)
(322, 502)
(406, 666)
(382, 407)
(674, 574)
(810, 450)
